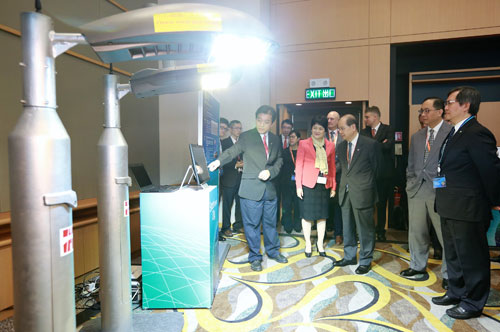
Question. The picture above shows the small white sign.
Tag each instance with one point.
(125, 208)
(319, 83)
(66, 240)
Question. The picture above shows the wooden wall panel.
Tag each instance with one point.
(135, 232)
(79, 251)
(347, 69)
(429, 16)
(488, 116)
(319, 21)
(6, 284)
(380, 18)
(91, 247)
(379, 79)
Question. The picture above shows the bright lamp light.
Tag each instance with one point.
(215, 81)
(232, 50)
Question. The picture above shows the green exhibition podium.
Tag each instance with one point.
(179, 245)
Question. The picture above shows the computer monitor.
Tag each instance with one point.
(199, 164)
(141, 175)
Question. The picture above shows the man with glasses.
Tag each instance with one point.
(467, 187)
(230, 182)
(421, 170)
(223, 128)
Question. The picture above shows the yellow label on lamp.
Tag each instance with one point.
(187, 21)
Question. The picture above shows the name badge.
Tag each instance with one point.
(321, 180)
(293, 177)
(439, 182)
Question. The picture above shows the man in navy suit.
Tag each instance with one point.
(467, 187)
(230, 182)
(383, 134)
(261, 151)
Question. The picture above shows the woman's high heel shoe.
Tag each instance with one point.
(308, 254)
(321, 253)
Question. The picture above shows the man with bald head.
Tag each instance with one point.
(334, 221)
(360, 158)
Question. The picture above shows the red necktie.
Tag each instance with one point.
(373, 132)
(265, 145)
(284, 144)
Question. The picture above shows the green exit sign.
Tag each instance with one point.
(320, 93)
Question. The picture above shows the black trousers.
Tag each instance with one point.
(468, 259)
(385, 190)
(290, 219)
(229, 195)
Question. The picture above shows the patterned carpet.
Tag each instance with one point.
(309, 294)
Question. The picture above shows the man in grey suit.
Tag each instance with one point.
(359, 158)
(422, 168)
(261, 151)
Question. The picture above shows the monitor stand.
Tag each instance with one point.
(190, 168)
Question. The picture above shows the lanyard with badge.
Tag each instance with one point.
(440, 181)
(293, 160)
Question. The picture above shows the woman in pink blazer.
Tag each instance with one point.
(315, 181)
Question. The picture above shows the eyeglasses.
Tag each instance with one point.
(448, 102)
(425, 110)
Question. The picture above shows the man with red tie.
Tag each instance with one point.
(261, 152)
(383, 134)
(283, 182)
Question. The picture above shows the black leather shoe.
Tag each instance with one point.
(279, 258)
(238, 231)
(221, 238)
(322, 253)
(445, 300)
(345, 262)
(256, 265)
(363, 269)
(411, 273)
(444, 284)
(308, 254)
(458, 312)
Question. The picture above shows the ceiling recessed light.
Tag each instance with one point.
(348, 102)
(298, 104)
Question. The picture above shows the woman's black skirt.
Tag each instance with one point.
(314, 205)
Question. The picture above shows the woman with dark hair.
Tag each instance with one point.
(315, 181)
(291, 215)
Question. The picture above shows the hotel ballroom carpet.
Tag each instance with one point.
(309, 294)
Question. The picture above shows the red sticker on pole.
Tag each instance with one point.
(125, 209)
(66, 240)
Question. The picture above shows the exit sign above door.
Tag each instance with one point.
(320, 93)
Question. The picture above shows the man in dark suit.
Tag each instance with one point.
(334, 221)
(467, 187)
(359, 158)
(284, 182)
(262, 162)
(230, 182)
(422, 168)
(383, 134)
